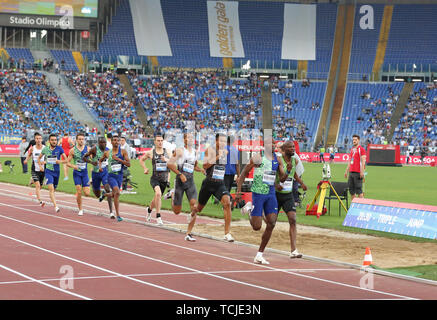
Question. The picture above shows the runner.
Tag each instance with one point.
(37, 175)
(66, 143)
(117, 158)
(160, 176)
(80, 172)
(266, 165)
(213, 184)
(284, 192)
(98, 177)
(184, 163)
(53, 154)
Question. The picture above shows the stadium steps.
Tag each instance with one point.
(141, 114)
(267, 110)
(39, 55)
(78, 58)
(302, 69)
(400, 107)
(382, 42)
(72, 101)
(334, 121)
(335, 59)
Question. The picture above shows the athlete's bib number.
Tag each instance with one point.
(188, 167)
(81, 165)
(116, 167)
(269, 177)
(287, 185)
(104, 164)
(51, 160)
(218, 173)
(161, 166)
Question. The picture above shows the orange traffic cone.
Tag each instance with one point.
(367, 258)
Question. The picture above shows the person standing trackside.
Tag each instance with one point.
(23, 147)
(232, 167)
(355, 168)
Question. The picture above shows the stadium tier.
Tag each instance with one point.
(19, 55)
(66, 56)
(367, 110)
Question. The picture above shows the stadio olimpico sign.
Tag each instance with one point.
(43, 22)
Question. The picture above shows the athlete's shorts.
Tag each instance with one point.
(179, 188)
(355, 183)
(264, 202)
(52, 177)
(81, 178)
(286, 201)
(115, 180)
(209, 187)
(99, 178)
(38, 176)
(158, 183)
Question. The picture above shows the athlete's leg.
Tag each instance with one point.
(271, 222)
(79, 196)
(116, 196)
(293, 231)
(226, 202)
(52, 194)
(193, 208)
(108, 196)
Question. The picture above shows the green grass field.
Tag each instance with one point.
(404, 184)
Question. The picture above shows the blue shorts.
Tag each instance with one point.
(264, 202)
(81, 178)
(115, 180)
(99, 178)
(52, 177)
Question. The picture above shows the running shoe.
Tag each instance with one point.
(169, 194)
(57, 209)
(247, 209)
(228, 237)
(119, 219)
(80, 213)
(42, 204)
(148, 214)
(189, 237)
(295, 254)
(66, 178)
(260, 260)
(159, 221)
(112, 215)
(102, 196)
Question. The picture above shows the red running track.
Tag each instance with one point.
(124, 260)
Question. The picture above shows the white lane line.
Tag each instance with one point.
(43, 283)
(213, 254)
(99, 268)
(154, 259)
(166, 274)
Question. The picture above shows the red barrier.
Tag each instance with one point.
(9, 149)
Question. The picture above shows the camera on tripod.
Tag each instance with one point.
(326, 172)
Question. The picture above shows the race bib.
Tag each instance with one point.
(219, 172)
(269, 177)
(81, 165)
(116, 167)
(287, 185)
(161, 166)
(104, 164)
(51, 160)
(188, 167)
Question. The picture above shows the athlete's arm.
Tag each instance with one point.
(197, 168)
(64, 158)
(143, 158)
(243, 175)
(41, 163)
(363, 165)
(172, 165)
(103, 158)
(126, 161)
(70, 157)
(92, 152)
(282, 174)
(299, 179)
(209, 158)
(29, 154)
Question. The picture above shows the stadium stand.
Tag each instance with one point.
(367, 110)
(18, 55)
(30, 93)
(66, 56)
(106, 98)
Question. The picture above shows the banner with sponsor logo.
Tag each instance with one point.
(224, 29)
(299, 36)
(150, 33)
(395, 217)
(5, 139)
(9, 149)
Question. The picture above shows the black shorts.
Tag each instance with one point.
(189, 188)
(209, 188)
(155, 182)
(286, 202)
(229, 181)
(355, 183)
(38, 176)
